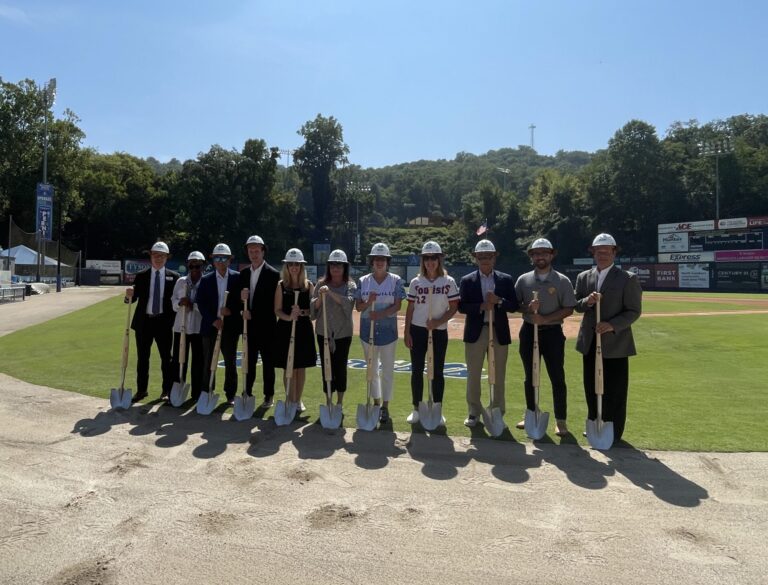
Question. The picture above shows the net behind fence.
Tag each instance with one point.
(33, 256)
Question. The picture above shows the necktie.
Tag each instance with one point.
(156, 295)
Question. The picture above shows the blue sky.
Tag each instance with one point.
(408, 80)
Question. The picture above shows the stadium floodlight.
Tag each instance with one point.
(716, 149)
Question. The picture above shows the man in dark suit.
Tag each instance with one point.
(257, 285)
(153, 319)
(216, 316)
(620, 298)
(480, 291)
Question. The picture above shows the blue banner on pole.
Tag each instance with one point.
(44, 211)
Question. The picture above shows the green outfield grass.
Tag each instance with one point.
(698, 383)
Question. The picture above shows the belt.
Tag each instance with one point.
(545, 327)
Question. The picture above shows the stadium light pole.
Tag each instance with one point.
(716, 148)
(49, 95)
(505, 172)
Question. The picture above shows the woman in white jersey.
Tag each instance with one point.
(424, 315)
(379, 298)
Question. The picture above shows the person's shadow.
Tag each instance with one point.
(579, 467)
(315, 442)
(651, 474)
(509, 459)
(437, 452)
(374, 449)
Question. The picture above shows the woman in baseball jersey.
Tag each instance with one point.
(379, 298)
(433, 298)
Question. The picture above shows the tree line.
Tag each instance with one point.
(115, 205)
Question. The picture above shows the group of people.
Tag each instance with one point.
(277, 308)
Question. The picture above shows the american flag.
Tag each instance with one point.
(483, 228)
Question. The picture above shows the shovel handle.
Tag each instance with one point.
(244, 354)
(126, 345)
(430, 345)
(217, 345)
(491, 351)
(598, 355)
(183, 339)
(291, 343)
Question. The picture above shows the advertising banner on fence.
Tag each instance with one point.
(693, 275)
(733, 223)
(674, 242)
(687, 257)
(741, 256)
(764, 279)
(106, 266)
(645, 273)
(44, 211)
(757, 221)
(687, 226)
(737, 276)
(666, 276)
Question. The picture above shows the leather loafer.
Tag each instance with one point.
(139, 396)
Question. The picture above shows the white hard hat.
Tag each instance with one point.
(160, 247)
(255, 240)
(603, 240)
(338, 256)
(380, 249)
(485, 246)
(541, 244)
(431, 248)
(294, 255)
(195, 256)
(221, 250)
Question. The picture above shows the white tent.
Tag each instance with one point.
(28, 257)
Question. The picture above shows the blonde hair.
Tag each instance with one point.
(285, 276)
(440, 268)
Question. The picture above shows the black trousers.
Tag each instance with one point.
(257, 348)
(195, 357)
(420, 336)
(338, 363)
(155, 330)
(228, 353)
(615, 388)
(552, 351)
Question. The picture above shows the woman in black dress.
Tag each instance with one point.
(294, 280)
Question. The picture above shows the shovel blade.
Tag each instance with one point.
(285, 412)
(600, 434)
(368, 416)
(207, 402)
(179, 393)
(430, 416)
(330, 416)
(493, 421)
(120, 398)
(536, 423)
(244, 407)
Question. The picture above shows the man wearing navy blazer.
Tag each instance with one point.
(210, 298)
(257, 289)
(479, 291)
(153, 319)
(620, 298)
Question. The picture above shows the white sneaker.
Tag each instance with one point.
(301, 407)
(413, 418)
(470, 421)
(442, 421)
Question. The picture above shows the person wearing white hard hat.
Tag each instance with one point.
(620, 297)
(426, 314)
(379, 298)
(258, 283)
(480, 291)
(153, 319)
(293, 279)
(185, 295)
(210, 300)
(340, 291)
(554, 292)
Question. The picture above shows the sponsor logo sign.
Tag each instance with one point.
(757, 221)
(645, 274)
(687, 226)
(693, 275)
(736, 222)
(736, 276)
(741, 256)
(673, 242)
(584, 261)
(106, 266)
(44, 211)
(666, 275)
(687, 257)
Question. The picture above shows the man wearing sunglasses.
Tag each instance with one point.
(210, 300)
(185, 295)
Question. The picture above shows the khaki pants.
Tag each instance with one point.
(475, 354)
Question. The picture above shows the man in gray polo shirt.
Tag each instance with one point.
(555, 302)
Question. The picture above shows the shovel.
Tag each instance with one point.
(599, 432)
(180, 389)
(208, 400)
(285, 411)
(330, 415)
(368, 414)
(245, 405)
(492, 417)
(536, 422)
(121, 397)
(430, 413)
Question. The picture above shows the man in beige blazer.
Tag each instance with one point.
(620, 305)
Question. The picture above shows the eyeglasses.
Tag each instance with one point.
(430, 257)
(220, 258)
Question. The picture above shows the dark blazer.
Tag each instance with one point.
(471, 297)
(208, 302)
(263, 321)
(141, 297)
(621, 306)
